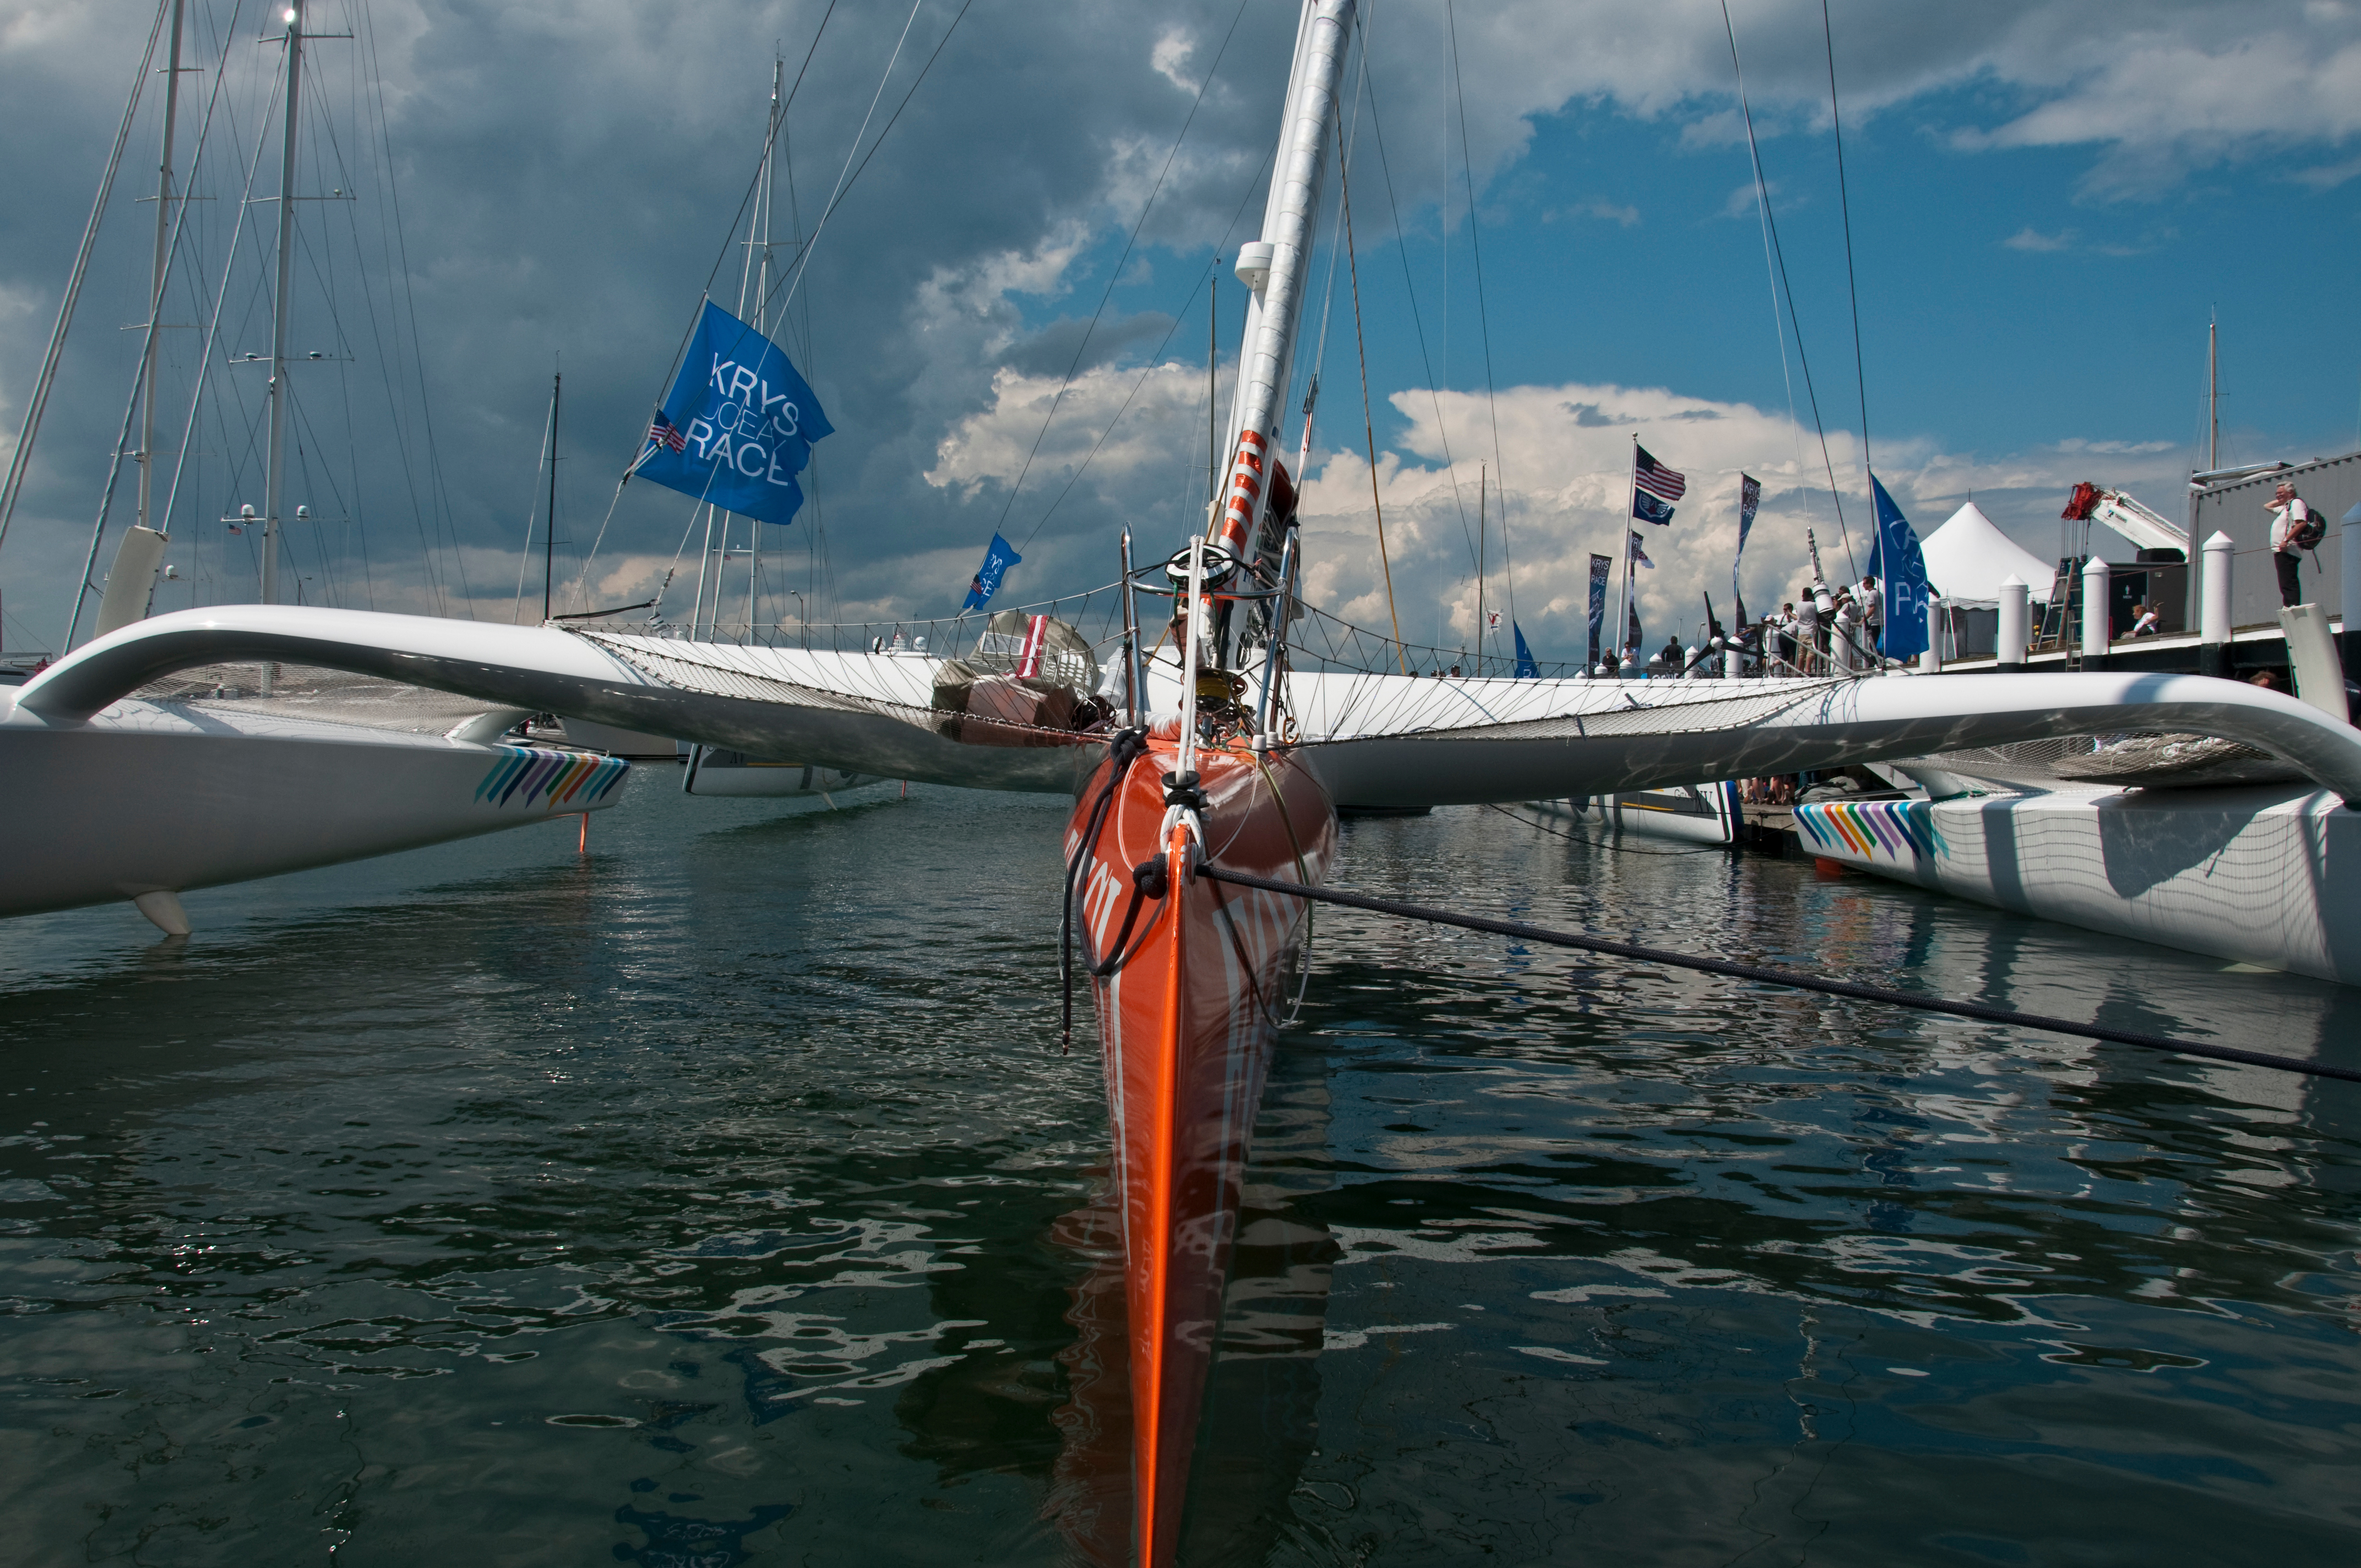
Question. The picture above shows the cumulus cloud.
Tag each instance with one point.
(568, 174)
(1563, 478)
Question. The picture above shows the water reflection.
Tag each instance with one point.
(720, 1195)
(1260, 1417)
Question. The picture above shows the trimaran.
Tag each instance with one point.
(147, 799)
(1224, 758)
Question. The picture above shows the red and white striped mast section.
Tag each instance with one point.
(1276, 267)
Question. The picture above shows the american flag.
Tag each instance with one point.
(1654, 477)
(663, 432)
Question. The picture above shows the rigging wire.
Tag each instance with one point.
(20, 458)
(1114, 275)
(803, 257)
(1149, 368)
(1763, 194)
(1484, 322)
(1368, 427)
(115, 466)
(221, 299)
(1844, 202)
(1336, 245)
(1418, 320)
(394, 246)
(843, 191)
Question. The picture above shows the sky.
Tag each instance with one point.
(1556, 240)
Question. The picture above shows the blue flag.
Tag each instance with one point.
(1526, 669)
(1900, 569)
(738, 424)
(1750, 500)
(1602, 567)
(986, 583)
(1651, 509)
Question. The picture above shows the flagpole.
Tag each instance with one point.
(1630, 505)
(1483, 481)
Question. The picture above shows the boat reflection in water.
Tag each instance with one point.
(1260, 1418)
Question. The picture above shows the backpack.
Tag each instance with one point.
(2309, 534)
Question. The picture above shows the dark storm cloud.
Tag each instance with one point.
(568, 174)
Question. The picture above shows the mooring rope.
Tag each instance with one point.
(1846, 988)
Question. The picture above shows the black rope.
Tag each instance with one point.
(1121, 753)
(1857, 992)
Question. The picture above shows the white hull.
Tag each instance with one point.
(1688, 813)
(617, 742)
(2260, 875)
(160, 798)
(735, 776)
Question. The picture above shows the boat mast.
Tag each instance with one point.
(1275, 268)
(2212, 396)
(549, 533)
(761, 308)
(1483, 483)
(156, 277)
(283, 290)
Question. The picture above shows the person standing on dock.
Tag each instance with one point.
(2294, 531)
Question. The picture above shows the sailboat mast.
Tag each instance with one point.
(1483, 483)
(1275, 267)
(762, 318)
(2212, 397)
(156, 275)
(283, 291)
(549, 532)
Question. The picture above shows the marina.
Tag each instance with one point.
(1161, 1064)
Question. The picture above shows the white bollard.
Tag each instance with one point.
(2213, 608)
(1930, 659)
(2096, 580)
(2015, 628)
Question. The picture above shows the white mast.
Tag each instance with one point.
(2212, 397)
(762, 319)
(155, 277)
(1275, 267)
(275, 470)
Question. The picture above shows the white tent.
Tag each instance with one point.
(1968, 556)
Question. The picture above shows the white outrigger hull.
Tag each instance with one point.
(2259, 874)
(1706, 814)
(149, 800)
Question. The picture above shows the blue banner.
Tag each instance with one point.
(737, 425)
(1648, 508)
(1602, 567)
(1749, 498)
(986, 583)
(1526, 669)
(1900, 569)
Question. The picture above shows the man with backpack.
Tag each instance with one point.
(2294, 529)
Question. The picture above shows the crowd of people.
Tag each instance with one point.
(1822, 631)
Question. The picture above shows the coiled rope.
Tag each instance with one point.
(1789, 978)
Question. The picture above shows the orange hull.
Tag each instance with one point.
(1187, 1021)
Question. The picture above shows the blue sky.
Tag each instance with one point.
(2048, 200)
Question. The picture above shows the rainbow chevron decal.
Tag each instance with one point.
(524, 775)
(1899, 832)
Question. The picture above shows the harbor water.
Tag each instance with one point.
(726, 1196)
